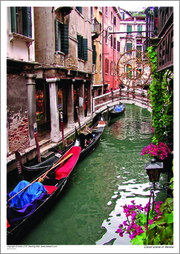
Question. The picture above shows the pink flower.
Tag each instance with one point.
(120, 231)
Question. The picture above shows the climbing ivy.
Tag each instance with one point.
(161, 97)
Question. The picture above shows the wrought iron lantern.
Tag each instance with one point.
(153, 170)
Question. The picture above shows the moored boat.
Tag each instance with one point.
(116, 112)
(89, 139)
(29, 201)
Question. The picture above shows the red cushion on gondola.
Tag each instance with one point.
(64, 171)
(50, 189)
(8, 225)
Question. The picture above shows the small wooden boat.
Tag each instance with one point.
(29, 201)
(89, 139)
(116, 112)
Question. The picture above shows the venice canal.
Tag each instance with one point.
(89, 209)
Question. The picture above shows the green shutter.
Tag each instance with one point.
(85, 49)
(64, 38)
(94, 54)
(79, 38)
(129, 28)
(56, 35)
(26, 15)
(139, 28)
(13, 20)
(128, 46)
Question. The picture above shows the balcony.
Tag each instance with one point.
(95, 28)
(165, 50)
(166, 36)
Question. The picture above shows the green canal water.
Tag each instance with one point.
(89, 209)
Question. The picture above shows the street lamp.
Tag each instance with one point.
(153, 170)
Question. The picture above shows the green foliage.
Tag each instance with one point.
(160, 232)
(161, 97)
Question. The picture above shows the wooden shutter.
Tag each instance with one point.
(26, 17)
(13, 20)
(129, 29)
(128, 46)
(94, 54)
(56, 35)
(85, 49)
(64, 38)
(80, 42)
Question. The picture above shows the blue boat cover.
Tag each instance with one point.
(26, 196)
(26, 202)
(119, 108)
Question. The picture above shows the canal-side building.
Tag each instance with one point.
(49, 70)
(132, 70)
(20, 56)
(64, 53)
(111, 47)
(97, 41)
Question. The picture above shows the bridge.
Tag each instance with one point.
(137, 97)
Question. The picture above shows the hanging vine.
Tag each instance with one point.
(161, 97)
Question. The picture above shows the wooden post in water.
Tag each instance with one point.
(37, 144)
(62, 127)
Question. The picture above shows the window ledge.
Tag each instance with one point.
(59, 53)
(16, 36)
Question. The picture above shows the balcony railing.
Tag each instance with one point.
(166, 35)
(95, 28)
(165, 50)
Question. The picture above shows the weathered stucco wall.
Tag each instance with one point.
(17, 119)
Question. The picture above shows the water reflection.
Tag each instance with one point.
(90, 207)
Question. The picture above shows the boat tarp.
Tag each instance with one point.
(26, 202)
(119, 108)
(65, 170)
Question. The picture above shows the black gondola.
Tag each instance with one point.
(89, 139)
(116, 112)
(22, 213)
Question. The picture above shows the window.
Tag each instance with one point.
(114, 43)
(111, 41)
(129, 29)
(139, 42)
(106, 66)
(138, 73)
(79, 9)
(82, 47)
(112, 17)
(139, 54)
(129, 70)
(139, 28)
(118, 46)
(61, 37)
(106, 11)
(100, 63)
(21, 20)
(94, 54)
(114, 21)
(106, 37)
(129, 47)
